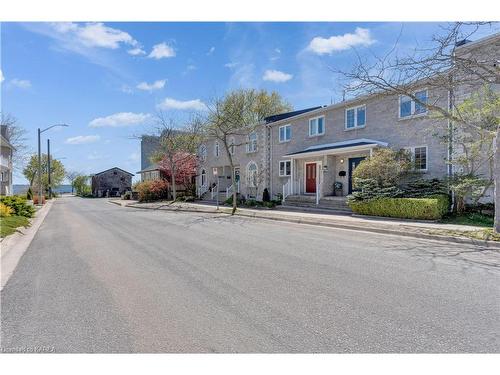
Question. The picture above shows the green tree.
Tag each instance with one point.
(386, 166)
(57, 172)
(474, 134)
(81, 185)
(236, 115)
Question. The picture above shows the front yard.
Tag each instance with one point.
(9, 225)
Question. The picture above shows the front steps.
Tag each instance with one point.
(309, 201)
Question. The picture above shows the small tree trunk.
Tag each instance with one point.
(497, 183)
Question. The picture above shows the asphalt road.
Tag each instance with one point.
(102, 278)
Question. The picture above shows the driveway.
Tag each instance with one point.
(102, 278)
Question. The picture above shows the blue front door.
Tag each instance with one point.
(353, 163)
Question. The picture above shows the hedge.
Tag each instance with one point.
(432, 208)
(19, 205)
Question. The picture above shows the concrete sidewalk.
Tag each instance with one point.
(418, 229)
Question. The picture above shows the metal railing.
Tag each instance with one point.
(202, 190)
(287, 190)
(229, 190)
(214, 192)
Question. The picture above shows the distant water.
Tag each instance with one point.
(22, 189)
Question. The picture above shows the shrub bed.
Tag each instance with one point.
(431, 208)
(19, 205)
(149, 191)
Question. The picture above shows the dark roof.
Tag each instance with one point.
(110, 169)
(282, 116)
(152, 167)
(331, 147)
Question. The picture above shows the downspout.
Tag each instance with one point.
(450, 142)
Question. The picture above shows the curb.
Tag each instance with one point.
(460, 240)
(15, 245)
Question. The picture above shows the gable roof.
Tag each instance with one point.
(110, 169)
(282, 116)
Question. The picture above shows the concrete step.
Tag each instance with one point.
(322, 205)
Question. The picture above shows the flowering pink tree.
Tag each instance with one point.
(185, 168)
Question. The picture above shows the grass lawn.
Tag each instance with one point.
(9, 224)
(474, 219)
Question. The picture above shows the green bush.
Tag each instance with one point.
(18, 205)
(432, 208)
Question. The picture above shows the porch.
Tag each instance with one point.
(324, 172)
(217, 181)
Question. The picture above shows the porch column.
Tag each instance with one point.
(292, 174)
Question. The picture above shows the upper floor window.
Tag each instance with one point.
(203, 152)
(231, 145)
(317, 126)
(409, 107)
(355, 117)
(252, 142)
(285, 133)
(285, 168)
(217, 149)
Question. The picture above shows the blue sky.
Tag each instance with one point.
(107, 80)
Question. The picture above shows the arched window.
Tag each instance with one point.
(216, 149)
(203, 152)
(203, 177)
(252, 174)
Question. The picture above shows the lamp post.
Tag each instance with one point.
(40, 160)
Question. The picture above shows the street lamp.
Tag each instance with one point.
(40, 160)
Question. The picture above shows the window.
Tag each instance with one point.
(216, 150)
(285, 133)
(317, 126)
(252, 142)
(231, 145)
(419, 157)
(203, 178)
(252, 174)
(203, 152)
(355, 117)
(408, 107)
(285, 168)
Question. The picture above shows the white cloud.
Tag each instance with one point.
(322, 46)
(231, 65)
(95, 34)
(81, 139)
(162, 50)
(211, 51)
(195, 104)
(20, 83)
(126, 89)
(136, 51)
(276, 76)
(156, 85)
(2, 78)
(120, 119)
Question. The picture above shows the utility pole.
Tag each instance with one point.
(40, 160)
(48, 168)
(39, 169)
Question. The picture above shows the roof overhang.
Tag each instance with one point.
(337, 148)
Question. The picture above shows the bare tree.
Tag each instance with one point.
(17, 136)
(177, 145)
(442, 68)
(71, 176)
(236, 115)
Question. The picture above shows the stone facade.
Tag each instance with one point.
(112, 182)
(385, 125)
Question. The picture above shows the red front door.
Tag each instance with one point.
(311, 178)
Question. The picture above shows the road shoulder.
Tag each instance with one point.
(14, 246)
